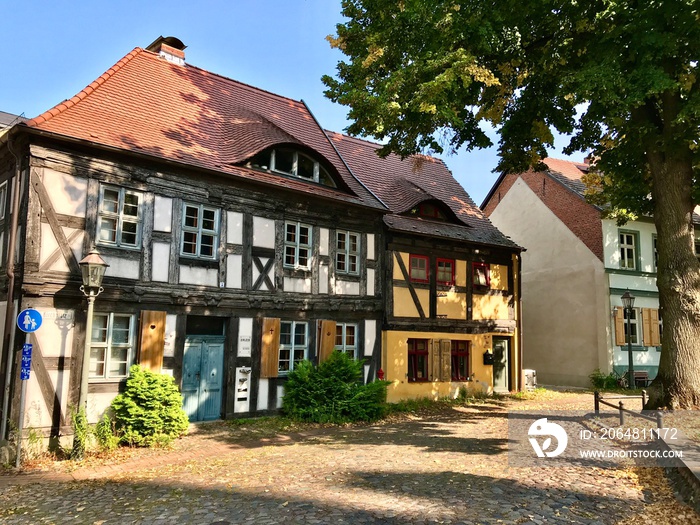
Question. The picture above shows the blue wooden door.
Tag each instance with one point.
(202, 377)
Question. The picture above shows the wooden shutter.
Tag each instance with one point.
(434, 360)
(270, 347)
(446, 360)
(152, 340)
(654, 338)
(619, 327)
(326, 340)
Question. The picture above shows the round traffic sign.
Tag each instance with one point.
(29, 320)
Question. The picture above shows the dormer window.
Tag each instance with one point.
(292, 162)
(428, 210)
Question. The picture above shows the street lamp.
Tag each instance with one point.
(628, 304)
(93, 268)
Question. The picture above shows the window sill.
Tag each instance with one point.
(200, 263)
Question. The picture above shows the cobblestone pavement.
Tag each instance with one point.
(449, 467)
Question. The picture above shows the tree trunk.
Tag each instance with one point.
(677, 384)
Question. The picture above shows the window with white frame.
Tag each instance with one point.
(111, 346)
(346, 339)
(656, 251)
(297, 245)
(633, 334)
(347, 252)
(292, 162)
(200, 231)
(119, 217)
(294, 345)
(628, 251)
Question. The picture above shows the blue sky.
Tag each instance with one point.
(51, 50)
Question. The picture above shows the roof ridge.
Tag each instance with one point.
(90, 88)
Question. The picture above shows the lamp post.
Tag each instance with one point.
(628, 303)
(93, 268)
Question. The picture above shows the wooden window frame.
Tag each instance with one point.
(635, 326)
(119, 218)
(108, 345)
(296, 245)
(350, 256)
(200, 231)
(292, 347)
(414, 359)
(343, 346)
(487, 273)
(456, 353)
(426, 260)
(451, 282)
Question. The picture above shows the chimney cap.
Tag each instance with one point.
(168, 41)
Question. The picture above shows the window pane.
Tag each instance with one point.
(300, 334)
(110, 201)
(303, 257)
(350, 335)
(339, 335)
(289, 255)
(304, 235)
(353, 263)
(286, 333)
(284, 360)
(99, 328)
(305, 167)
(131, 205)
(97, 362)
(341, 241)
(325, 178)
(207, 246)
(209, 220)
(353, 243)
(108, 229)
(129, 233)
(118, 362)
(120, 330)
(291, 234)
(191, 217)
(189, 243)
(284, 160)
(341, 262)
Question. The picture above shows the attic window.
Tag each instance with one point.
(292, 162)
(429, 211)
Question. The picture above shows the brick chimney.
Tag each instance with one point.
(170, 48)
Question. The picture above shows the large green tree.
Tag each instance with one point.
(621, 76)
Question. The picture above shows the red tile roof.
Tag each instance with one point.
(148, 105)
(401, 184)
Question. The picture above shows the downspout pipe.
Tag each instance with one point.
(10, 312)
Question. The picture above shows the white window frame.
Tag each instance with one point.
(626, 247)
(350, 349)
(292, 347)
(200, 231)
(655, 251)
(3, 199)
(346, 255)
(296, 245)
(635, 326)
(119, 217)
(108, 345)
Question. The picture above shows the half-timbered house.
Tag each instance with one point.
(238, 241)
(452, 290)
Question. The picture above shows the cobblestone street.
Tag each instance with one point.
(447, 467)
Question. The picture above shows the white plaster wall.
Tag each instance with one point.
(263, 393)
(120, 267)
(370, 246)
(162, 214)
(263, 232)
(564, 291)
(199, 276)
(245, 337)
(323, 240)
(296, 284)
(370, 336)
(234, 227)
(160, 261)
(346, 287)
(234, 270)
(68, 193)
(322, 278)
(170, 335)
(49, 245)
(370, 281)
(280, 395)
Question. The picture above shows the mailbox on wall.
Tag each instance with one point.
(488, 358)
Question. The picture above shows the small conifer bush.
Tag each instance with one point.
(149, 412)
(333, 392)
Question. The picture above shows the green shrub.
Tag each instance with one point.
(81, 431)
(333, 392)
(105, 434)
(604, 381)
(149, 412)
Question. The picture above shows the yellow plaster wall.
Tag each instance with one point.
(490, 307)
(499, 277)
(395, 366)
(461, 273)
(452, 305)
(404, 305)
(397, 270)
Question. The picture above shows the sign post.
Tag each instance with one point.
(28, 321)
